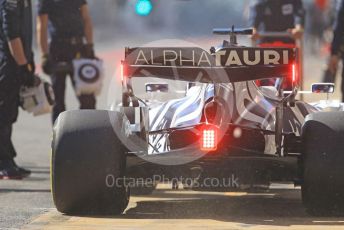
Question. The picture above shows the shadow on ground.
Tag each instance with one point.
(277, 207)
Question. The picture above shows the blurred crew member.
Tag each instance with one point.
(277, 16)
(70, 28)
(319, 21)
(337, 49)
(16, 70)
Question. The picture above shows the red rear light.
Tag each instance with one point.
(209, 138)
(294, 73)
(122, 72)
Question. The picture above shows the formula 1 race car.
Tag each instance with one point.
(223, 126)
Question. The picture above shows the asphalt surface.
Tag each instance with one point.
(277, 208)
(27, 204)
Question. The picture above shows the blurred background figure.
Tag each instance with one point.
(16, 70)
(320, 18)
(337, 49)
(277, 16)
(71, 32)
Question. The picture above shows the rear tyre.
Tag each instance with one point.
(323, 164)
(88, 160)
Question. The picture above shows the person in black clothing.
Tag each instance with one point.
(277, 16)
(70, 28)
(337, 49)
(16, 70)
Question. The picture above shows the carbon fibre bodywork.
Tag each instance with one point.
(245, 105)
(248, 119)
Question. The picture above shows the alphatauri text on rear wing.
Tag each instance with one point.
(193, 64)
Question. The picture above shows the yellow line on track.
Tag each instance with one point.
(55, 221)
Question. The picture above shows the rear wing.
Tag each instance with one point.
(193, 64)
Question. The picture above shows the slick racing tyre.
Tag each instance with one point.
(323, 164)
(87, 159)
